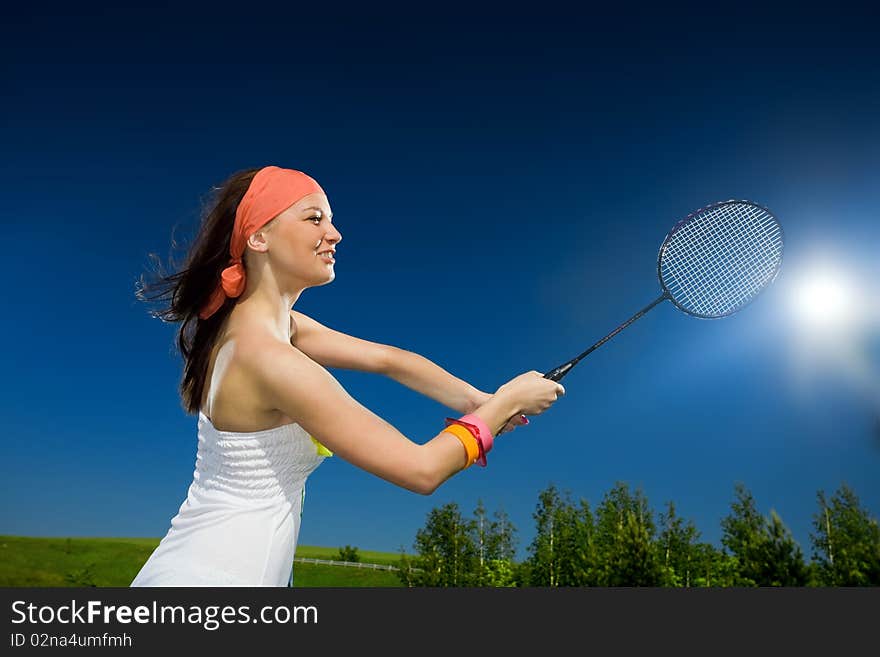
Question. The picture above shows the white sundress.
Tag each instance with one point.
(240, 521)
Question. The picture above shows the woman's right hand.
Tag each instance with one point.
(531, 393)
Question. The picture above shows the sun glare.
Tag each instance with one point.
(825, 301)
(833, 313)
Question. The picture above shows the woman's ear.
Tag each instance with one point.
(258, 242)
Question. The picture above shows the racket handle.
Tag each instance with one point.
(554, 375)
(508, 422)
(558, 372)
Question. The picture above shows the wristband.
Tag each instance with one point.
(480, 431)
(474, 432)
(486, 438)
(471, 445)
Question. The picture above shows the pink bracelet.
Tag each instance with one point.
(486, 439)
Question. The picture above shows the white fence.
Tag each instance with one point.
(353, 564)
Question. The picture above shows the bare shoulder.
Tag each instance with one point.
(288, 380)
(283, 376)
(263, 356)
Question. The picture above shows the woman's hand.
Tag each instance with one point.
(531, 393)
(478, 398)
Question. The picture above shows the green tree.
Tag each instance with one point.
(676, 544)
(569, 546)
(445, 552)
(783, 561)
(846, 541)
(500, 572)
(504, 538)
(765, 552)
(625, 540)
(481, 531)
(552, 539)
(743, 536)
(348, 553)
(712, 567)
(496, 547)
(522, 573)
(585, 569)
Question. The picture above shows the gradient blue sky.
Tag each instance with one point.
(522, 168)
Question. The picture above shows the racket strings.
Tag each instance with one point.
(718, 274)
(712, 293)
(714, 252)
(718, 260)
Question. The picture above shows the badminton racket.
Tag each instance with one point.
(712, 264)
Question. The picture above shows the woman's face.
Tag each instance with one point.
(302, 241)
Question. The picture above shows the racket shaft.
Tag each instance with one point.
(558, 372)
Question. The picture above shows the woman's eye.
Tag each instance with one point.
(316, 219)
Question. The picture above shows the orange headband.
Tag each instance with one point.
(270, 193)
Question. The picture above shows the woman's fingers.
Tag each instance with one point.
(518, 421)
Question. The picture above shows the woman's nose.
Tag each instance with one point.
(334, 235)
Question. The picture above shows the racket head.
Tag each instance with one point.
(716, 261)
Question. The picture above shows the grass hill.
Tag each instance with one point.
(37, 561)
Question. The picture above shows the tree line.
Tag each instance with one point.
(622, 543)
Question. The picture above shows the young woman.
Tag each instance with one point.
(268, 410)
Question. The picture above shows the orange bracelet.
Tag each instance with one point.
(467, 439)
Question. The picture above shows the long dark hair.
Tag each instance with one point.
(187, 290)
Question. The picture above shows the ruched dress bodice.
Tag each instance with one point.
(240, 521)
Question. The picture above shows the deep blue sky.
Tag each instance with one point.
(520, 168)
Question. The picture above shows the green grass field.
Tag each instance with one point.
(32, 561)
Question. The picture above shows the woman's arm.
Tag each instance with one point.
(422, 375)
(298, 386)
(335, 349)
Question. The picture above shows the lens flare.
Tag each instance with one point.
(825, 301)
(833, 317)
